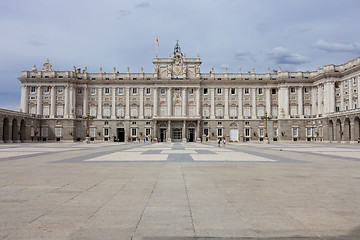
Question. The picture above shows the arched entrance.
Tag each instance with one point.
(357, 129)
(191, 132)
(15, 130)
(347, 130)
(234, 132)
(162, 129)
(22, 131)
(338, 131)
(331, 131)
(6, 130)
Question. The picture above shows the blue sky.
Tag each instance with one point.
(296, 35)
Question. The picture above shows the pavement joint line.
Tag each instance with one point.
(188, 200)
(146, 204)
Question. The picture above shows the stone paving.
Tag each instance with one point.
(179, 191)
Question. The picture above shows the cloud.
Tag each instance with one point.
(337, 47)
(35, 43)
(242, 55)
(284, 56)
(142, 5)
(123, 13)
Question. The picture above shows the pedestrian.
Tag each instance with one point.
(219, 141)
(144, 140)
(224, 140)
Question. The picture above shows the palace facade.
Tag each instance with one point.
(179, 103)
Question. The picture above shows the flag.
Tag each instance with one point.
(157, 40)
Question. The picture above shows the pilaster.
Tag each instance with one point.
(212, 107)
(113, 103)
(99, 111)
(53, 102)
(226, 112)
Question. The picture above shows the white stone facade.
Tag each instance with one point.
(179, 103)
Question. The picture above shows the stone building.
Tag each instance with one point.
(179, 103)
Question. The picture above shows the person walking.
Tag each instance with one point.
(219, 141)
(224, 140)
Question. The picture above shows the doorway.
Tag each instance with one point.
(191, 134)
(162, 134)
(177, 134)
(234, 135)
(121, 135)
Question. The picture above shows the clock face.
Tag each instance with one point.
(177, 69)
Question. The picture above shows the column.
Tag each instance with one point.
(212, 107)
(169, 102)
(154, 134)
(72, 101)
(332, 96)
(168, 134)
(198, 107)
(113, 103)
(253, 103)
(326, 99)
(141, 113)
(86, 101)
(300, 102)
(283, 101)
(24, 99)
(320, 98)
(155, 102)
(127, 106)
(66, 108)
(358, 91)
(342, 104)
(184, 131)
(268, 101)
(226, 112)
(313, 101)
(351, 93)
(240, 103)
(183, 105)
(99, 111)
(39, 101)
(53, 102)
(198, 137)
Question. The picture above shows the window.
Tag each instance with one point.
(133, 123)
(233, 112)
(134, 90)
(206, 111)
(106, 132)
(133, 132)
(306, 90)
(206, 91)
(219, 112)
(247, 123)
(246, 90)
(192, 111)
(247, 132)
(247, 112)
(106, 111)
(92, 111)
(46, 110)
(273, 91)
(120, 112)
(276, 132)
(336, 84)
(60, 111)
(293, 110)
(92, 132)
(33, 89)
(292, 90)
(260, 111)
(58, 132)
(295, 132)
(274, 111)
(79, 90)
(219, 132)
(206, 132)
(162, 91)
(134, 112)
(191, 91)
(354, 81)
(121, 90)
(44, 132)
(148, 123)
(261, 132)
(46, 89)
(345, 83)
(147, 131)
(260, 90)
(107, 90)
(308, 132)
(233, 91)
(219, 90)
(92, 90)
(219, 123)
(148, 90)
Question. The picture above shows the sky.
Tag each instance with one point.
(298, 35)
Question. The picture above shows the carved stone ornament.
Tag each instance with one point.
(47, 66)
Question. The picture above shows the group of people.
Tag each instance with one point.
(223, 140)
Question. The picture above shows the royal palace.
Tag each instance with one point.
(179, 103)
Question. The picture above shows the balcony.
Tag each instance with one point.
(219, 117)
(233, 117)
(148, 117)
(205, 117)
(294, 116)
(247, 117)
(134, 117)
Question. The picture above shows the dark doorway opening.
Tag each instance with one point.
(162, 134)
(191, 135)
(121, 134)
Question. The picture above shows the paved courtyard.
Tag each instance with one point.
(179, 191)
